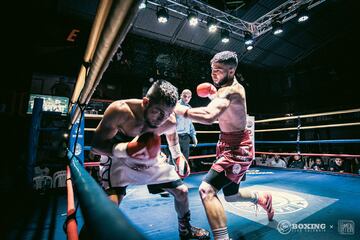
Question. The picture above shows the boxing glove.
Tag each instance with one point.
(182, 166)
(145, 147)
(205, 90)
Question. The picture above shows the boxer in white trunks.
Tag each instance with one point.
(129, 135)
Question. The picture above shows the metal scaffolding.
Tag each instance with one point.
(284, 12)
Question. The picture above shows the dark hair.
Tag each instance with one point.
(225, 57)
(164, 92)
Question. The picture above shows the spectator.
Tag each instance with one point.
(261, 161)
(337, 165)
(318, 165)
(278, 162)
(296, 162)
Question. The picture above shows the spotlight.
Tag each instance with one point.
(162, 15)
(211, 24)
(249, 47)
(225, 36)
(303, 14)
(143, 4)
(193, 18)
(277, 27)
(248, 38)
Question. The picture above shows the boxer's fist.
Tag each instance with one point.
(182, 166)
(147, 146)
(205, 90)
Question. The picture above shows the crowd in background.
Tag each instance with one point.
(333, 164)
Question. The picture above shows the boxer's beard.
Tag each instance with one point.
(148, 123)
(223, 81)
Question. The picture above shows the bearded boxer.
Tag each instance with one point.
(234, 151)
(129, 135)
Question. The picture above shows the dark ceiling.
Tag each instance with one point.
(330, 21)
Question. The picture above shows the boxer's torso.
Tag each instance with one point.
(233, 119)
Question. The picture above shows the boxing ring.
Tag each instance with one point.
(308, 204)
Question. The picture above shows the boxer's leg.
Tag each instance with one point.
(181, 200)
(233, 194)
(213, 182)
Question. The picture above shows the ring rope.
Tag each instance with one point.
(99, 116)
(94, 116)
(96, 164)
(276, 129)
(311, 141)
(88, 148)
(308, 127)
(311, 154)
(207, 131)
(308, 115)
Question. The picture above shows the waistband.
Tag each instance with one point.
(234, 137)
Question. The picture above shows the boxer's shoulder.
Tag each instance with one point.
(168, 126)
(231, 92)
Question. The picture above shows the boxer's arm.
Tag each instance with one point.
(172, 139)
(219, 103)
(205, 115)
(181, 164)
(114, 117)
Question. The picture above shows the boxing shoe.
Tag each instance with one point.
(194, 233)
(186, 231)
(265, 201)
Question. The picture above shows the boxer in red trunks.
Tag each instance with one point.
(234, 151)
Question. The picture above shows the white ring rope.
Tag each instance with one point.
(308, 115)
(308, 127)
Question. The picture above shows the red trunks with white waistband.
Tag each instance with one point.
(234, 154)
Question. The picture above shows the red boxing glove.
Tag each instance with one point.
(147, 146)
(205, 90)
(182, 167)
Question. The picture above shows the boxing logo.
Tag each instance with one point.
(284, 227)
(236, 168)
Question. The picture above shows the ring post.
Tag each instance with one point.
(33, 139)
(77, 137)
(298, 136)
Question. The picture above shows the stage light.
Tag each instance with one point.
(248, 38)
(211, 24)
(162, 15)
(303, 14)
(143, 4)
(225, 36)
(193, 18)
(277, 27)
(249, 47)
